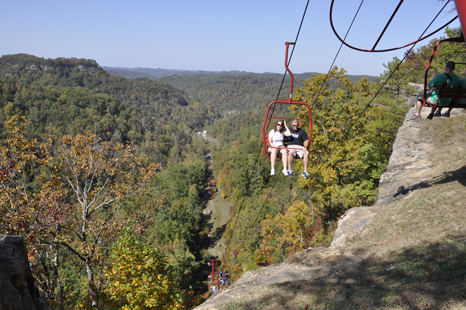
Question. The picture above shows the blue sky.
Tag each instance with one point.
(213, 35)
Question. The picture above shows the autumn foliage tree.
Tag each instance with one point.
(102, 177)
(32, 206)
(291, 229)
(139, 277)
(339, 134)
(64, 195)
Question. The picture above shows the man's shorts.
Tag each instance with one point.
(429, 100)
(296, 149)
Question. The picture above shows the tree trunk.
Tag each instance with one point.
(92, 289)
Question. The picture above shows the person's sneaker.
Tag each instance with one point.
(272, 172)
(290, 172)
(305, 175)
(437, 114)
(446, 114)
(285, 172)
(416, 117)
(430, 116)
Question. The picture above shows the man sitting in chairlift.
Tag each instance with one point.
(298, 144)
(448, 77)
(226, 277)
(447, 114)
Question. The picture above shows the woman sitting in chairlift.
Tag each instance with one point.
(276, 145)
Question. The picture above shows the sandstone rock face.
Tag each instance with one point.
(409, 166)
(352, 223)
(17, 288)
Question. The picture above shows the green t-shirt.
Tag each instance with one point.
(462, 83)
(453, 82)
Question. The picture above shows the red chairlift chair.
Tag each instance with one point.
(224, 268)
(457, 94)
(274, 104)
(264, 254)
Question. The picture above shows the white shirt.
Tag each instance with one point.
(277, 137)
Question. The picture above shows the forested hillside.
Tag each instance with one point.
(106, 178)
(74, 95)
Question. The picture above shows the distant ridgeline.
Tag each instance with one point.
(134, 73)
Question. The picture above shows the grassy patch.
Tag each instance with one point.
(217, 221)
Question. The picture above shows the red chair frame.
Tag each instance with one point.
(267, 254)
(290, 101)
(454, 93)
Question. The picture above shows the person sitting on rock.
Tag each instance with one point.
(448, 77)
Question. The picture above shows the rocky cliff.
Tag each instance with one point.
(17, 288)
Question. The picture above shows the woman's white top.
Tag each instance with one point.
(277, 137)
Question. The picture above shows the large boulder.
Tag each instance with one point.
(17, 288)
(352, 223)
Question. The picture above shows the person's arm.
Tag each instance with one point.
(305, 139)
(287, 130)
(306, 144)
(270, 139)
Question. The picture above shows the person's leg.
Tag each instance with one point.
(273, 156)
(284, 160)
(305, 159)
(417, 114)
(418, 107)
(290, 160)
(437, 113)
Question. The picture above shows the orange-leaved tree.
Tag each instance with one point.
(102, 177)
(33, 207)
